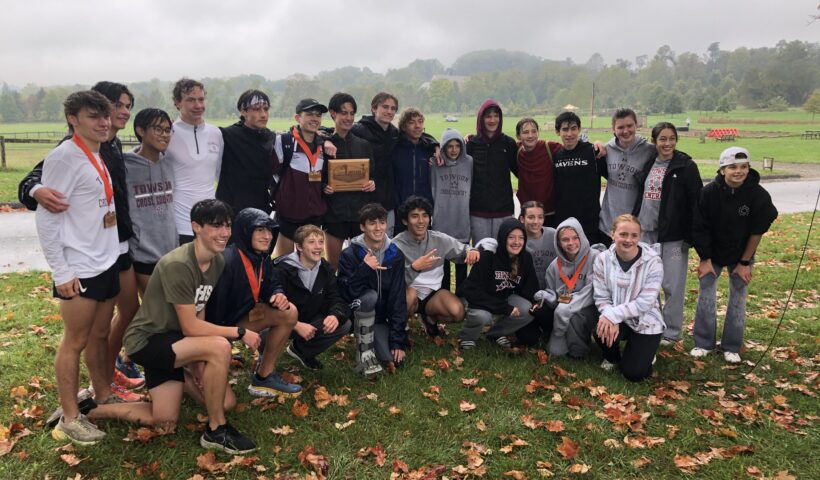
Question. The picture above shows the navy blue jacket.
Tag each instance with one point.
(356, 278)
(411, 168)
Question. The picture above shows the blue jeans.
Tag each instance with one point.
(706, 312)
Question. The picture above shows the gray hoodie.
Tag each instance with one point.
(306, 275)
(451, 190)
(582, 293)
(622, 187)
(543, 253)
(447, 248)
(151, 201)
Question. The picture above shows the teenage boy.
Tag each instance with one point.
(249, 295)
(626, 155)
(494, 157)
(300, 173)
(246, 164)
(342, 217)
(170, 330)
(451, 184)
(382, 135)
(412, 158)
(195, 153)
(32, 193)
(734, 212)
(80, 245)
(371, 277)
(424, 253)
(309, 282)
(577, 177)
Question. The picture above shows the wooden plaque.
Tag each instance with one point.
(348, 175)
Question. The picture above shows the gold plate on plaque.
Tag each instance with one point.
(348, 175)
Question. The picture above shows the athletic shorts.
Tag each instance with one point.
(423, 303)
(144, 268)
(288, 227)
(343, 230)
(100, 288)
(157, 357)
(125, 261)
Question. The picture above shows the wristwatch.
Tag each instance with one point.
(745, 263)
(240, 332)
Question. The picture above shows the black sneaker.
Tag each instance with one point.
(431, 328)
(85, 402)
(227, 439)
(308, 362)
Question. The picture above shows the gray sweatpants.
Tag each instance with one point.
(571, 333)
(477, 319)
(706, 312)
(675, 256)
(481, 228)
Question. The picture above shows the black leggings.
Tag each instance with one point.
(635, 361)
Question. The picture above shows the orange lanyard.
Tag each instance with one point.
(312, 156)
(102, 171)
(570, 282)
(253, 280)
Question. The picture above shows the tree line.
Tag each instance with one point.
(773, 78)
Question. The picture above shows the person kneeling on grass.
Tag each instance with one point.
(569, 291)
(250, 296)
(169, 333)
(626, 283)
(734, 212)
(310, 284)
(424, 253)
(371, 278)
(502, 282)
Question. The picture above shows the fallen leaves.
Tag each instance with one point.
(323, 398)
(10, 435)
(299, 409)
(568, 449)
(466, 406)
(691, 464)
(207, 461)
(310, 459)
(284, 430)
(379, 456)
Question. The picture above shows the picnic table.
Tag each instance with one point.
(723, 134)
(811, 134)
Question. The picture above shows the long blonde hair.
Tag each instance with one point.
(626, 217)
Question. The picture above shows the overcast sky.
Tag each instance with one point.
(51, 42)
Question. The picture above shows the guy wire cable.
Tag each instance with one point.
(791, 291)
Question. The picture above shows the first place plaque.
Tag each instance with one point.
(348, 175)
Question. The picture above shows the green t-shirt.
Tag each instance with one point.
(177, 280)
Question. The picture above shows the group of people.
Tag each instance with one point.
(202, 236)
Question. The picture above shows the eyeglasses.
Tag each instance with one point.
(162, 130)
(119, 105)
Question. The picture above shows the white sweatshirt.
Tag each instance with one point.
(74, 242)
(195, 153)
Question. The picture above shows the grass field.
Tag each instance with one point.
(692, 419)
(788, 148)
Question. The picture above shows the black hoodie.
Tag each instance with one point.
(491, 194)
(489, 283)
(383, 141)
(726, 217)
(231, 299)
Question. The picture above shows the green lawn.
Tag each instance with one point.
(709, 415)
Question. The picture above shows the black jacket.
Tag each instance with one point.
(578, 186)
(383, 141)
(247, 168)
(111, 153)
(323, 300)
(489, 283)
(344, 206)
(727, 217)
(680, 192)
(232, 299)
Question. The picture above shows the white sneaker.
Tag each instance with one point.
(698, 352)
(731, 357)
(607, 365)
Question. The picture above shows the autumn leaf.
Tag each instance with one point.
(543, 358)
(322, 397)
(394, 410)
(579, 468)
(555, 426)
(299, 409)
(353, 414)
(641, 462)
(342, 426)
(568, 449)
(379, 456)
(310, 459)
(612, 443)
(469, 382)
(284, 430)
(400, 466)
(71, 459)
(480, 426)
(18, 392)
(753, 471)
(686, 463)
(428, 372)
(466, 406)
(529, 422)
(443, 412)
(516, 474)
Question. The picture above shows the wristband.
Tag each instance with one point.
(240, 332)
(745, 263)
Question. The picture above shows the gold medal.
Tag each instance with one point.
(257, 313)
(314, 176)
(565, 298)
(109, 220)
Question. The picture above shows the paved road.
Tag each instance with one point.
(20, 248)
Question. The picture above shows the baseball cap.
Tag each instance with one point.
(307, 104)
(729, 156)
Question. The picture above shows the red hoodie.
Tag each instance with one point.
(536, 175)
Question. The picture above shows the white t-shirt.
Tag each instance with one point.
(195, 154)
(74, 242)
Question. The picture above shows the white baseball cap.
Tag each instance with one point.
(729, 156)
